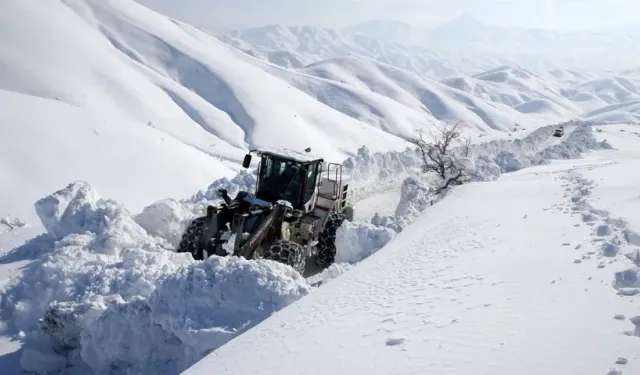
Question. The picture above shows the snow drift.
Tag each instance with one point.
(105, 281)
(112, 296)
(485, 162)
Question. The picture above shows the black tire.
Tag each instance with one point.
(287, 252)
(326, 248)
(190, 241)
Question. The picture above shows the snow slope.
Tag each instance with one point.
(500, 277)
(461, 46)
(102, 276)
(342, 79)
(308, 44)
(147, 91)
(551, 91)
(57, 143)
(466, 38)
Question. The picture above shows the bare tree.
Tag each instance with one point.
(439, 157)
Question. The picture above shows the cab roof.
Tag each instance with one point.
(287, 153)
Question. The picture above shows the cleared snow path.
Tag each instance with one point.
(485, 282)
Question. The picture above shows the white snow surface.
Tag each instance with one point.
(116, 297)
(512, 275)
(113, 296)
(125, 102)
(142, 106)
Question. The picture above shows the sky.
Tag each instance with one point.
(223, 15)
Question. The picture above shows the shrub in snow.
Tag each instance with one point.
(439, 158)
(112, 297)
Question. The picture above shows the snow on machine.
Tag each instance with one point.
(293, 215)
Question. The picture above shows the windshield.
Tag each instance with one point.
(280, 179)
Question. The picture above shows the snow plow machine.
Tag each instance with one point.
(294, 214)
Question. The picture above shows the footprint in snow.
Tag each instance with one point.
(395, 341)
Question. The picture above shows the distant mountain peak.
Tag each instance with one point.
(466, 19)
(382, 22)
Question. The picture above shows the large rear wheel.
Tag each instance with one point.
(326, 247)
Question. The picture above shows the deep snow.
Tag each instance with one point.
(143, 107)
(112, 276)
(499, 277)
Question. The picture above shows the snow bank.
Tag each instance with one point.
(110, 295)
(190, 313)
(485, 162)
(489, 160)
(371, 172)
(334, 270)
(357, 241)
(169, 218)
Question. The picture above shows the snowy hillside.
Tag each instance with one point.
(461, 46)
(308, 44)
(465, 37)
(361, 58)
(133, 101)
(384, 95)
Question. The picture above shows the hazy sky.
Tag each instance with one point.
(552, 14)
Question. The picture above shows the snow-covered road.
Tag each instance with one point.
(502, 277)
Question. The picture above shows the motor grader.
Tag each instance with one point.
(293, 215)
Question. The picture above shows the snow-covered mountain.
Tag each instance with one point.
(462, 45)
(114, 119)
(308, 44)
(123, 64)
(141, 95)
(397, 99)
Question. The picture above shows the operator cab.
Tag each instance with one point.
(286, 175)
